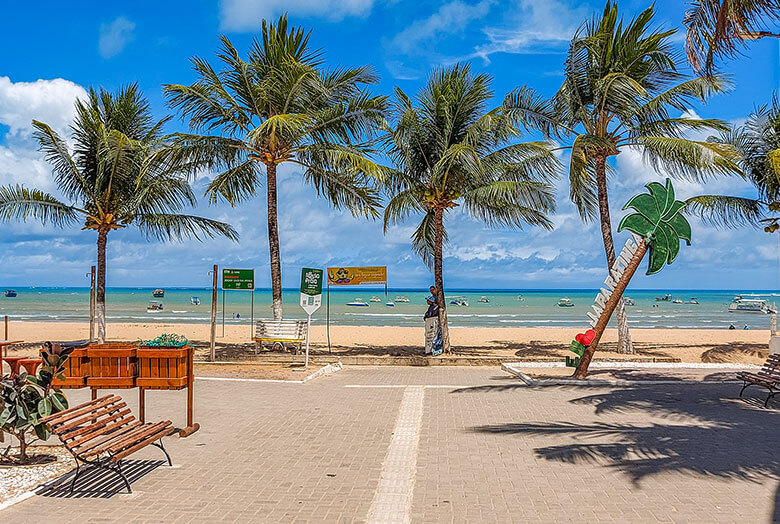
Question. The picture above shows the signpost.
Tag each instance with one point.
(239, 280)
(311, 298)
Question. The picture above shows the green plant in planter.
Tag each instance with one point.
(166, 341)
(26, 399)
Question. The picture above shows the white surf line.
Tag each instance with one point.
(392, 502)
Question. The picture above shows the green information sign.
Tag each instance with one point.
(243, 279)
(311, 281)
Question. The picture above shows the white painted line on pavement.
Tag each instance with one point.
(392, 502)
(401, 386)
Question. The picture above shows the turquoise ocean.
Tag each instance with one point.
(515, 308)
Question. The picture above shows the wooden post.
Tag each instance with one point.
(142, 404)
(6, 330)
(92, 304)
(213, 351)
(192, 427)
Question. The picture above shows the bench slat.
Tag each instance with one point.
(162, 432)
(68, 414)
(88, 418)
(101, 445)
(85, 432)
(137, 434)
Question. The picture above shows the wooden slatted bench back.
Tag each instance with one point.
(87, 429)
(771, 368)
(281, 330)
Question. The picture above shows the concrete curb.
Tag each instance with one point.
(513, 369)
(326, 370)
(19, 498)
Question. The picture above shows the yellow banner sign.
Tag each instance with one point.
(353, 276)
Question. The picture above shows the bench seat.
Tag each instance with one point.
(767, 377)
(280, 332)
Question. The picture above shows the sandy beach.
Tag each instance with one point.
(689, 345)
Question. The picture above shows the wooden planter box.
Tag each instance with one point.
(111, 366)
(76, 371)
(163, 368)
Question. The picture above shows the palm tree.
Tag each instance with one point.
(449, 150)
(281, 106)
(719, 28)
(114, 177)
(621, 82)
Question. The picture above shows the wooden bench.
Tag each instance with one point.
(280, 332)
(102, 432)
(768, 377)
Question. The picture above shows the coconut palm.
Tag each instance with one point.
(448, 150)
(719, 28)
(113, 177)
(277, 106)
(621, 84)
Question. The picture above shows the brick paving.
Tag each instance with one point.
(490, 450)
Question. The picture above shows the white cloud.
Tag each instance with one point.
(49, 101)
(115, 36)
(246, 15)
(451, 18)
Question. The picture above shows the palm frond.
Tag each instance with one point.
(689, 159)
(20, 203)
(174, 226)
(726, 211)
(424, 239)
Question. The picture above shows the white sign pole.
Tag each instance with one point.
(308, 329)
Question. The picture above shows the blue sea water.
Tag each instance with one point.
(516, 308)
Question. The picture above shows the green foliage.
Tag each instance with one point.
(166, 340)
(26, 399)
(448, 149)
(659, 219)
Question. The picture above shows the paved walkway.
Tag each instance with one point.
(445, 445)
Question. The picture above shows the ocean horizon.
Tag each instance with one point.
(499, 308)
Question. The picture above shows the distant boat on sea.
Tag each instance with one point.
(154, 307)
(749, 305)
(402, 299)
(375, 299)
(158, 293)
(195, 301)
(484, 300)
(692, 301)
(390, 304)
(628, 301)
(677, 300)
(565, 302)
(665, 298)
(10, 293)
(459, 301)
(358, 302)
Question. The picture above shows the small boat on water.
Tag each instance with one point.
(627, 301)
(195, 301)
(565, 302)
(154, 307)
(520, 298)
(390, 304)
(665, 298)
(158, 293)
(692, 301)
(459, 301)
(402, 299)
(749, 305)
(358, 302)
(677, 300)
(375, 299)
(10, 293)
(484, 300)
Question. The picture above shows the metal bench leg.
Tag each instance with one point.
(159, 444)
(73, 482)
(769, 397)
(743, 389)
(118, 470)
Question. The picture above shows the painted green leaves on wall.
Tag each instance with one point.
(659, 219)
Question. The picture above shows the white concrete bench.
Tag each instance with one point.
(280, 333)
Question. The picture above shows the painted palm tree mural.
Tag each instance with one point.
(658, 227)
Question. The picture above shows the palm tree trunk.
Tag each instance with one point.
(100, 291)
(624, 336)
(273, 243)
(438, 261)
(615, 299)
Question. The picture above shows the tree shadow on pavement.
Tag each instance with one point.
(709, 433)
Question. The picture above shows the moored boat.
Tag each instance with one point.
(154, 307)
(677, 300)
(402, 298)
(158, 293)
(10, 293)
(484, 300)
(665, 298)
(195, 301)
(565, 302)
(749, 305)
(692, 301)
(375, 299)
(627, 301)
(358, 302)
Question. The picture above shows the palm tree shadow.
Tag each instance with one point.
(709, 433)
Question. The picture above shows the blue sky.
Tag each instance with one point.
(52, 51)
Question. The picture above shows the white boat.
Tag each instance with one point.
(154, 307)
(665, 298)
(677, 300)
(375, 299)
(158, 293)
(402, 299)
(390, 304)
(692, 301)
(520, 298)
(484, 300)
(358, 302)
(565, 302)
(627, 301)
(195, 301)
(459, 301)
(749, 305)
